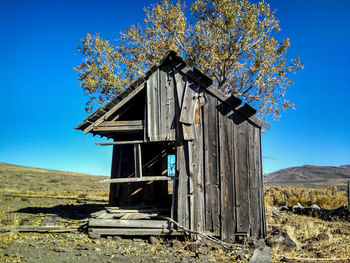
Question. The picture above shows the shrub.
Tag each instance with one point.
(328, 198)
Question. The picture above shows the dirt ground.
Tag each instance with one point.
(17, 210)
(313, 238)
(59, 202)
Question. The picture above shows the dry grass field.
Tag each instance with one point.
(39, 197)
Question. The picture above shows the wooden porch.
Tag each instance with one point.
(131, 221)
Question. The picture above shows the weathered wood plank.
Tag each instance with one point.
(263, 221)
(189, 132)
(123, 128)
(182, 197)
(41, 229)
(105, 216)
(212, 177)
(171, 114)
(137, 216)
(163, 114)
(190, 100)
(135, 179)
(96, 214)
(180, 82)
(254, 186)
(119, 142)
(190, 186)
(132, 209)
(241, 179)
(227, 173)
(152, 107)
(198, 180)
(259, 178)
(121, 123)
(128, 223)
(133, 231)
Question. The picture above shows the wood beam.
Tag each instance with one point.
(119, 142)
(136, 179)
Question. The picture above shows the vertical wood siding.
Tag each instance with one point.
(218, 157)
(161, 122)
(211, 165)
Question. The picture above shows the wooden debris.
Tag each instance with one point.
(130, 221)
(261, 255)
(40, 229)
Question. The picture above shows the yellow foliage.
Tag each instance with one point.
(233, 42)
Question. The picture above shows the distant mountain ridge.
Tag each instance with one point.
(310, 176)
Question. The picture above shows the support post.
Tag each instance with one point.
(138, 160)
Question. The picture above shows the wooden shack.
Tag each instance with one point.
(186, 148)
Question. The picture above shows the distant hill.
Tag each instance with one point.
(310, 176)
(16, 177)
(345, 166)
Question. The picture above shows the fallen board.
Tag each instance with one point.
(41, 229)
(132, 231)
(128, 223)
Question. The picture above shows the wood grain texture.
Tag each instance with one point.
(139, 179)
(132, 231)
(190, 101)
(94, 222)
(182, 193)
(198, 180)
(211, 165)
(153, 107)
(242, 179)
(254, 189)
(227, 172)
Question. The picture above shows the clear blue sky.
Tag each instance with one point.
(40, 102)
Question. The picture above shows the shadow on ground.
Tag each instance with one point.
(64, 211)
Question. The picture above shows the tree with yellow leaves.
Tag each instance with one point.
(233, 42)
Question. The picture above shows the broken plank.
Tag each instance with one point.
(190, 100)
(96, 214)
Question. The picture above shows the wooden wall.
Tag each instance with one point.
(220, 186)
(218, 151)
